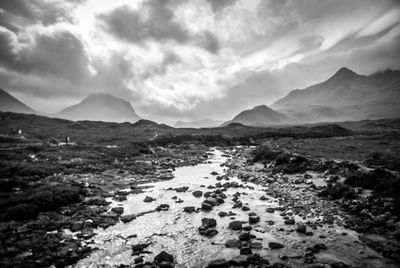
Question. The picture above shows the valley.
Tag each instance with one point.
(298, 196)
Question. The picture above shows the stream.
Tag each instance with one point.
(176, 231)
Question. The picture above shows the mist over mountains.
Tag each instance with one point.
(100, 107)
(345, 96)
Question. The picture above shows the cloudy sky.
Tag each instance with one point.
(182, 60)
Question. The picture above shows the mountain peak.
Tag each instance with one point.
(344, 72)
(9, 103)
(100, 107)
(259, 116)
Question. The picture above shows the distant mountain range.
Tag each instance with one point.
(259, 116)
(100, 107)
(8, 103)
(345, 96)
(199, 123)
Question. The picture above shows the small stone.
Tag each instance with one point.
(245, 208)
(275, 245)
(301, 229)
(245, 251)
(222, 214)
(209, 222)
(148, 199)
(256, 245)
(254, 219)
(244, 236)
(118, 210)
(233, 243)
(127, 218)
(163, 257)
(270, 210)
(235, 225)
(189, 209)
(220, 263)
(197, 194)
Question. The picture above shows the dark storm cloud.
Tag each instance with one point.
(19, 13)
(158, 24)
(219, 5)
(58, 54)
(130, 25)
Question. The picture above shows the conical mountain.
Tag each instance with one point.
(100, 107)
(8, 103)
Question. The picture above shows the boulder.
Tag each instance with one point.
(197, 193)
(189, 209)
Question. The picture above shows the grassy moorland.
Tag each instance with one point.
(47, 186)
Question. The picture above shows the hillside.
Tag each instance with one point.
(259, 116)
(100, 107)
(345, 96)
(8, 103)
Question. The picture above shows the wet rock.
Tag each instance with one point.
(204, 231)
(209, 222)
(206, 206)
(256, 245)
(189, 209)
(246, 250)
(233, 243)
(181, 189)
(138, 259)
(275, 245)
(222, 214)
(244, 236)
(163, 257)
(219, 263)
(245, 208)
(162, 207)
(118, 210)
(237, 204)
(127, 218)
(254, 219)
(235, 225)
(148, 199)
(97, 201)
(197, 194)
(240, 260)
(139, 248)
(320, 246)
(301, 229)
(289, 221)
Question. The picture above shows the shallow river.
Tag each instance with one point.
(176, 232)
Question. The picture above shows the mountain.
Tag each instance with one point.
(100, 107)
(10, 104)
(345, 96)
(198, 124)
(259, 116)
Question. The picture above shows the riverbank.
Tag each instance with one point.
(59, 195)
(231, 211)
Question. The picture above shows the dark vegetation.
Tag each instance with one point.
(382, 182)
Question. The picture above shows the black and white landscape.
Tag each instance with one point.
(200, 133)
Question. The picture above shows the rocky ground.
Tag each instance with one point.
(281, 210)
(47, 216)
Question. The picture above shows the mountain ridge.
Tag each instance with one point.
(8, 103)
(260, 115)
(100, 107)
(345, 96)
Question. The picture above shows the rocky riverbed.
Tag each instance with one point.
(49, 220)
(231, 212)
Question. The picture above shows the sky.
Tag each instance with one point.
(188, 60)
